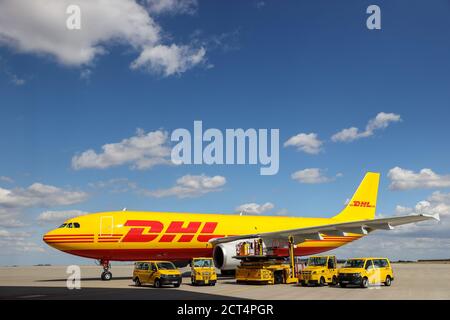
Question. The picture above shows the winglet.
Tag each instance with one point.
(434, 216)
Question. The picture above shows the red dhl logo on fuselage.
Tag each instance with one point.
(147, 231)
(363, 204)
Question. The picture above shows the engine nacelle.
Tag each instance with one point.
(223, 255)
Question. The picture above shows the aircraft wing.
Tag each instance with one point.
(361, 227)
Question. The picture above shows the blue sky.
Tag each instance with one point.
(301, 67)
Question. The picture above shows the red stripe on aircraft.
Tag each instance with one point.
(72, 238)
(69, 235)
(71, 241)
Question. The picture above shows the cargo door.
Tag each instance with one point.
(106, 226)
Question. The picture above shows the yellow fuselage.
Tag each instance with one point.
(132, 236)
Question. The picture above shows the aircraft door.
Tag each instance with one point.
(107, 226)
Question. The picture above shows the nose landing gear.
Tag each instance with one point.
(106, 274)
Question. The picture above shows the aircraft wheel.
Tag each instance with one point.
(388, 281)
(106, 276)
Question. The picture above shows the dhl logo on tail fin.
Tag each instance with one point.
(363, 203)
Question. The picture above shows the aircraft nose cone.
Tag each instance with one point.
(46, 238)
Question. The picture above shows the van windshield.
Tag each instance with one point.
(355, 263)
(166, 266)
(317, 261)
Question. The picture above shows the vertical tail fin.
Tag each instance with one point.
(363, 203)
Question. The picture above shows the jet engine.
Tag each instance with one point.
(223, 255)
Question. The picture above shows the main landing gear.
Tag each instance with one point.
(106, 274)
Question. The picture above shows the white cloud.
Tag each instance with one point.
(17, 81)
(311, 176)
(423, 240)
(388, 244)
(117, 185)
(190, 186)
(381, 121)
(437, 203)
(308, 143)
(168, 60)
(255, 208)
(143, 151)
(8, 219)
(260, 4)
(14, 201)
(6, 179)
(172, 6)
(86, 74)
(56, 216)
(17, 242)
(39, 195)
(282, 212)
(8, 235)
(402, 179)
(124, 22)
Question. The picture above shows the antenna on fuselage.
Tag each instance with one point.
(124, 209)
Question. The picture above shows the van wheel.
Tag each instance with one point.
(157, 283)
(303, 284)
(137, 282)
(177, 285)
(364, 283)
(388, 281)
(322, 281)
(343, 285)
(334, 282)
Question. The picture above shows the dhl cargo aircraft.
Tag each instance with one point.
(132, 236)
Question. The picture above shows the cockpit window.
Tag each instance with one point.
(70, 225)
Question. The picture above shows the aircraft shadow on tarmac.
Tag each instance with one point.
(62, 293)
